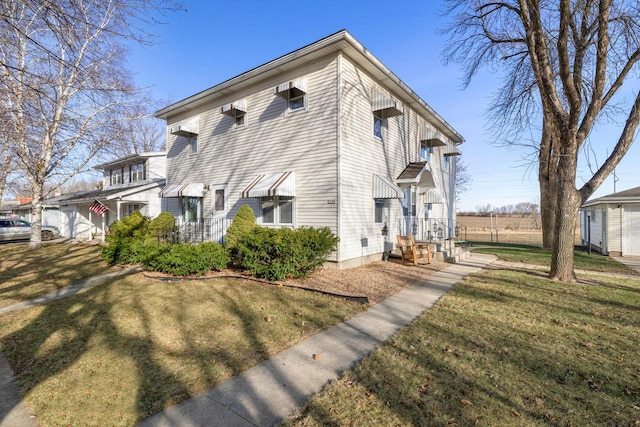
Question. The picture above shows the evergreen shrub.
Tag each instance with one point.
(183, 259)
(277, 254)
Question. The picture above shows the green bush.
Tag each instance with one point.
(243, 223)
(161, 226)
(276, 254)
(183, 259)
(121, 236)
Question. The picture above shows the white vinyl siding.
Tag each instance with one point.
(304, 142)
(362, 156)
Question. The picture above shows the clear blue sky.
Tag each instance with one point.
(215, 40)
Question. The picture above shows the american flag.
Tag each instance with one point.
(98, 207)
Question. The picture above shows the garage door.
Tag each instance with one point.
(631, 231)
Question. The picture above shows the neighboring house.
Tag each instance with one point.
(22, 209)
(129, 184)
(323, 136)
(611, 224)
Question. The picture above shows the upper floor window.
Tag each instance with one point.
(136, 172)
(377, 125)
(240, 119)
(237, 110)
(297, 102)
(445, 162)
(425, 152)
(193, 145)
(294, 92)
(116, 176)
(383, 107)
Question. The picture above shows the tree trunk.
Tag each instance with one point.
(548, 180)
(548, 205)
(568, 201)
(37, 199)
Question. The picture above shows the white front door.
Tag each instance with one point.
(631, 231)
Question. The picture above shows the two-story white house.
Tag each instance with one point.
(130, 183)
(323, 136)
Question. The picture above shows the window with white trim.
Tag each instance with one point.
(445, 162)
(136, 172)
(116, 176)
(425, 152)
(297, 103)
(240, 118)
(379, 206)
(191, 208)
(277, 210)
(377, 125)
(193, 145)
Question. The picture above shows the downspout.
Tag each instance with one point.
(338, 150)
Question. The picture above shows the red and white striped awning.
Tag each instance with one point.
(272, 184)
(193, 189)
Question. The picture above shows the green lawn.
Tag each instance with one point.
(503, 348)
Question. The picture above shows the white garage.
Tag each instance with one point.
(611, 224)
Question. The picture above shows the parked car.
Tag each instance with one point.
(16, 229)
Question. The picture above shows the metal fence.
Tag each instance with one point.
(431, 229)
(202, 230)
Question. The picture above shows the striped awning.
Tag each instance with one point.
(451, 150)
(431, 138)
(171, 190)
(193, 189)
(272, 184)
(291, 89)
(234, 108)
(432, 196)
(385, 106)
(384, 188)
(186, 128)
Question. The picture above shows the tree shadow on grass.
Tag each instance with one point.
(546, 359)
(131, 348)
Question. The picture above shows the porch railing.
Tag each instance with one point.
(202, 230)
(432, 229)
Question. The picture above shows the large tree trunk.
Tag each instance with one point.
(567, 205)
(37, 199)
(548, 180)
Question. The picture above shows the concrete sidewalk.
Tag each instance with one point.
(269, 392)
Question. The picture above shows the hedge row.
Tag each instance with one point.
(272, 254)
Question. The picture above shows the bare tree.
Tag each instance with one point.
(565, 63)
(463, 178)
(141, 131)
(61, 69)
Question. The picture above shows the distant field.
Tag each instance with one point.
(506, 229)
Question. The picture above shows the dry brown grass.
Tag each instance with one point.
(29, 273)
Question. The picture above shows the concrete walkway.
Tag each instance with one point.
(13, 413)
(269, 392)
(631, 262)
